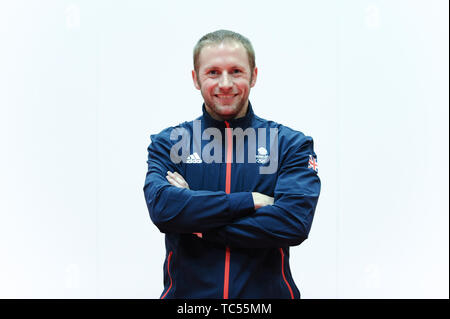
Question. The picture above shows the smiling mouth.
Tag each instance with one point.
(225, 96)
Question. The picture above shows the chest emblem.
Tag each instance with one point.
(262, 157)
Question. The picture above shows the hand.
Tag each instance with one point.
(261, 200)
(176, 179)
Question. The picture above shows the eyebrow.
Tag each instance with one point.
(232, 67)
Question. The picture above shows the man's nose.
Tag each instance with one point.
(225, 81)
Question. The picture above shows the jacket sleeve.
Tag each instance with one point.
(288, 221)
(180, 210)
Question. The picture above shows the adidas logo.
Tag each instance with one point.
(193, 158)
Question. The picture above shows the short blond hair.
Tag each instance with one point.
(220, 36)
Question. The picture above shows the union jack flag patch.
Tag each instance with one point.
(312, 163)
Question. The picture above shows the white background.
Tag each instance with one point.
(83, 84)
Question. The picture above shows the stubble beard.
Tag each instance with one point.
(241, 104)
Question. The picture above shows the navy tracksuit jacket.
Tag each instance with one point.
(244, 253)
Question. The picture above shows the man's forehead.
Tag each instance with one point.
(222, 54)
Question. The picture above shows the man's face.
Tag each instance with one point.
(224, 79)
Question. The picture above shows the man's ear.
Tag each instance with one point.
(194, 78)
(254, 76)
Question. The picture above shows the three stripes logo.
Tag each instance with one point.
(193, 158)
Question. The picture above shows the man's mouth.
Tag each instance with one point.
(225, 96)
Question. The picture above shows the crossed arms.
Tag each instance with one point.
(243, 219)
(259, 200)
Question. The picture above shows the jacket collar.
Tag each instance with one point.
(242, 122)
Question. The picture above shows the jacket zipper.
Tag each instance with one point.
(226, 279)
(169, 258)
(282, 272)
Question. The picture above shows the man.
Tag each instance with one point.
(230, 206)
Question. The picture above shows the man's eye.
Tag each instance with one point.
(212, 72)
(236, 71)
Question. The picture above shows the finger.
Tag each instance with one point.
(169, 179)
(180, 179)
(176, 180)
(178, 175)
(172, 181)
(173, 175)
(184, 181)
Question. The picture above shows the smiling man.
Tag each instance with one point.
(229, 224)
(224, 75)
